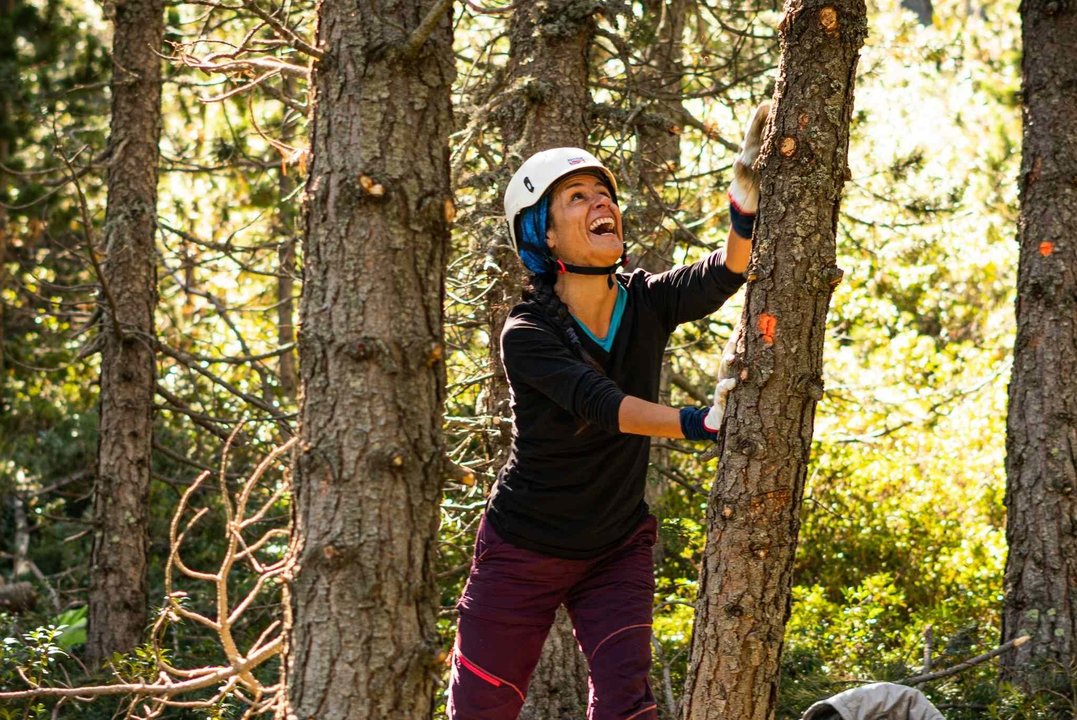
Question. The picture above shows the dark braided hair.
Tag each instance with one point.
(540, 290)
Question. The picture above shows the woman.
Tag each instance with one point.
(566, 522)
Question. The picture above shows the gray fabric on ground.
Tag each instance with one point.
(878, 701)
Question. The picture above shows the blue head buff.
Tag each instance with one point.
(533, 249)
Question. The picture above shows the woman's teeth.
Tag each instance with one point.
(603, 226)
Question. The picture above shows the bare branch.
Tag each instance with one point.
(162, 688)
(284, 31)
(426, 28)
(961, 667)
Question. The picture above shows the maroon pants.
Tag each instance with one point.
(509, 604)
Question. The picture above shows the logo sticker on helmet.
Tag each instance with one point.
(575, 161)
(528, 185)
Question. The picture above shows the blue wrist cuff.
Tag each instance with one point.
(692, 424)
(743, 224)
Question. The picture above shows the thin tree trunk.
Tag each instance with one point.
(21, 556)
(753, 514)
(362, 637)
(117, 601)
(550, 43)
(286, 268)
(558, 689)
(658, 155)
(1041, 438)
(286, 308)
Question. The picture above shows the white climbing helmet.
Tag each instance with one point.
(542, 170)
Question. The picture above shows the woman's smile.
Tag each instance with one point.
(585, 222)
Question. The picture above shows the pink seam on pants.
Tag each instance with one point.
(488, 677)
(615, 632)
(646, 709)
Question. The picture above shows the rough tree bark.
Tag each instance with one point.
(1041, 432)
(362, 639)
(117, 599)
(550, 43)
(658, 155)
(753, 515)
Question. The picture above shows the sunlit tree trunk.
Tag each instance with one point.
(754, 508)
(286, 268)
(1041, 438)
(117, 601)
(362, 641)
(286, 262)
(550, 45)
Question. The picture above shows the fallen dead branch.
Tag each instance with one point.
(246, 543)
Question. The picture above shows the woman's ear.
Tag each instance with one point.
(551, 238)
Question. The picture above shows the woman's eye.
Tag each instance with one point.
(577, 196)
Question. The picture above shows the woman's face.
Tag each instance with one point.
(585, 223)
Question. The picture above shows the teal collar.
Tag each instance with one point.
(615, 320)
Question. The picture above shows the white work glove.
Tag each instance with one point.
(713, 420)
(726, 382)
(744, 192)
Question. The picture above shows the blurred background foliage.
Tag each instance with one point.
(903, 527)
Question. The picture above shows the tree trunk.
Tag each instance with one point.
(558, 689)
(286, 313)
(658, 155)
(753, 514)
(362, 641)
(117, 601)
(1041, 437)
(550, 43)
(286, 267)
(550, 47)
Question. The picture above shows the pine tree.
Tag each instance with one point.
(117, 600)
(754, 507)
(1041, 453)
(370, 469)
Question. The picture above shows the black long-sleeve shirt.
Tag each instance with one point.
(573, 484)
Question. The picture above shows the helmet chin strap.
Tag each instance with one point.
(563, 267)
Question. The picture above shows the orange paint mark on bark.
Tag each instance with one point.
(1046, 248)
(767, 325)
